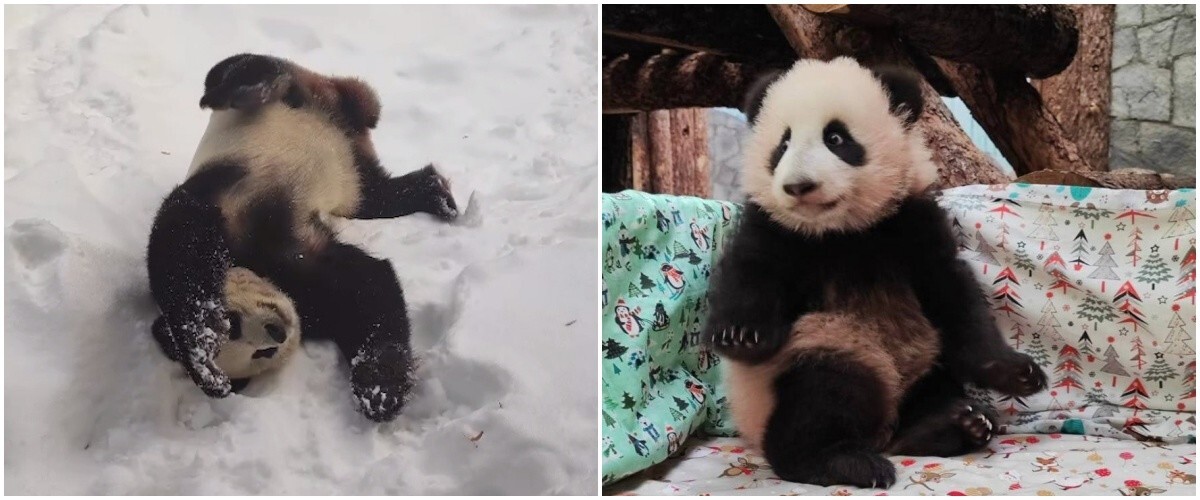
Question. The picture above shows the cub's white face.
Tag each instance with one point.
(265, 331)
(827, 154)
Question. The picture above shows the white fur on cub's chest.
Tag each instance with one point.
(298, 149)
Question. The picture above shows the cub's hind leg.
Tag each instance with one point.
(356, 301)
(937, 419)
(831, 418)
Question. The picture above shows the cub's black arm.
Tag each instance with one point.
(973, 349)
(748, 318)
(423, 190)
(187, 258)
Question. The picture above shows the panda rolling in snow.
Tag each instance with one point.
(242, 259)
(848, 324)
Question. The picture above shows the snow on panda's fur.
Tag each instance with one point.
(848, 325)
(264, 327)
(285, 151)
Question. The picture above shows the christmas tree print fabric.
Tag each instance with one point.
(1020, 464)
(658, 386)
(1097, 285)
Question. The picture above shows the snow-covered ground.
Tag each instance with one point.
(101, 120)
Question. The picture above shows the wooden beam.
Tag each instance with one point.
(959, 161)
(1031, 40)
(672, 79)
(738, 32)
(660, 151)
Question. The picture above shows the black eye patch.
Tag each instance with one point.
(777, 154)
(839, 141)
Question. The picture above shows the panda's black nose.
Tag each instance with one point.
(800, 188)
(276, 332)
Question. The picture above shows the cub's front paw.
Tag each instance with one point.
(1014, 374)
(381, 379)
(437, 193)
(745, 343)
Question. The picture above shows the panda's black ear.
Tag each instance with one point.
(904, 92)
(756, 92)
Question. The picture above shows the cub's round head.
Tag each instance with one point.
(265, 329)
(832, 145)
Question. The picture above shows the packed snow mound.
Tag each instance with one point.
(101, 122)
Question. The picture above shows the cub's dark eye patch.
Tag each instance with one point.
(839, 141)
(777, 154)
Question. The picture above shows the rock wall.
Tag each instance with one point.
(1154, 88)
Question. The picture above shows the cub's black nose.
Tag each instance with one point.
(800, 188)
(276, 332)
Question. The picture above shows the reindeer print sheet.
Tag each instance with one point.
(1018, 464)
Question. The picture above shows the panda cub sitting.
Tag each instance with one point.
(242, 256)
(848, 324)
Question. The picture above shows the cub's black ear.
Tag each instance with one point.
(756, 92)
(904, 92)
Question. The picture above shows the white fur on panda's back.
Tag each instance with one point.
(283, 146)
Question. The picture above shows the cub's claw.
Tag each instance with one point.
(1014, 374)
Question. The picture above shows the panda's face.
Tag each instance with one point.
(265, 329)
(829, 151)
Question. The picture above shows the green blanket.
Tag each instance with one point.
(659, 385)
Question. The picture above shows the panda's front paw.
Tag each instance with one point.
(379, 403)
(381, 379)
(436, 190)
(749, 344)
(1014, 374)
(194, 344)
(246, 81)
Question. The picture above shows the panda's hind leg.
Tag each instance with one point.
(938, 419)
(355, 300)
(830, 421)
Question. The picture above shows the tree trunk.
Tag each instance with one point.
(959, 161)
(689, 152)
(673, 80)
(1034, 40)
(1080, 97)
(1011, 112)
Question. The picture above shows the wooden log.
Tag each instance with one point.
(683, 154)
(738, 32)
(703, 173)
(1010, 110)
(959, 161)
(639, 152)
(1080, 97)
(1117, 179)
(672, 79)
(1034, 40)
(659, 126)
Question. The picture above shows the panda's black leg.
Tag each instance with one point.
(423, 190)
(186, 262)
(355, 300)
(811, 439)
(937, 419)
